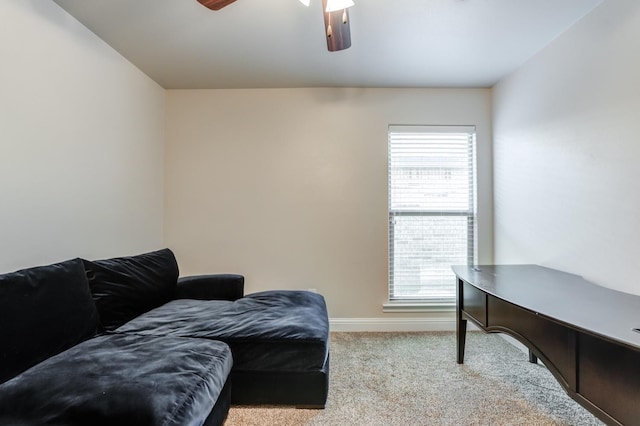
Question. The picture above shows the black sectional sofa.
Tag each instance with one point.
(124, 341)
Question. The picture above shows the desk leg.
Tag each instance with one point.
(532, 358)
(461, 323)
(461, 334)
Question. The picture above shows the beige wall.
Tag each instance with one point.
(289, 186)
(567, 181)
(81, 143)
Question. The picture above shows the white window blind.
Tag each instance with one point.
(431, 210)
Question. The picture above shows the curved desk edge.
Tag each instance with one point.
(601, 374)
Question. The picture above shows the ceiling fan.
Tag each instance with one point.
(336, 20)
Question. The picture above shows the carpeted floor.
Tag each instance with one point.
(413, 379)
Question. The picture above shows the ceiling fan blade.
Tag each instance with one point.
(215, 4)
(337, 29)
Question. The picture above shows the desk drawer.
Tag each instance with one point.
(554, 341)
(608, 377)
(474, 303)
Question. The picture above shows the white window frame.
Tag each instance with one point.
(431, 303)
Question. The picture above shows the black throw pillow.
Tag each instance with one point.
(43, 311)
(126, 287)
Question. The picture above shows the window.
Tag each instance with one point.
(431, 210)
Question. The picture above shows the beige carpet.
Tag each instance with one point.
(413, 379)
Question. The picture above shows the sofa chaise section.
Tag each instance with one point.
(279, 341)
(123, 380)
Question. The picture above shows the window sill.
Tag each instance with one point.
(421, 306)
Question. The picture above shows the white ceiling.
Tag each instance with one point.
(280, 43)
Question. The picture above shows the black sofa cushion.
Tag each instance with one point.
(43, 311)
(121, 380)
(211, 287)
(125, 287)
(271, 330)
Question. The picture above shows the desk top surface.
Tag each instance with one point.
(561, 296)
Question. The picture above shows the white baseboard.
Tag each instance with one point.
(392, 324)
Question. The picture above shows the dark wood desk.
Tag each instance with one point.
(587, 336)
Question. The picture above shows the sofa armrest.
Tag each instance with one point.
(211, 287)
